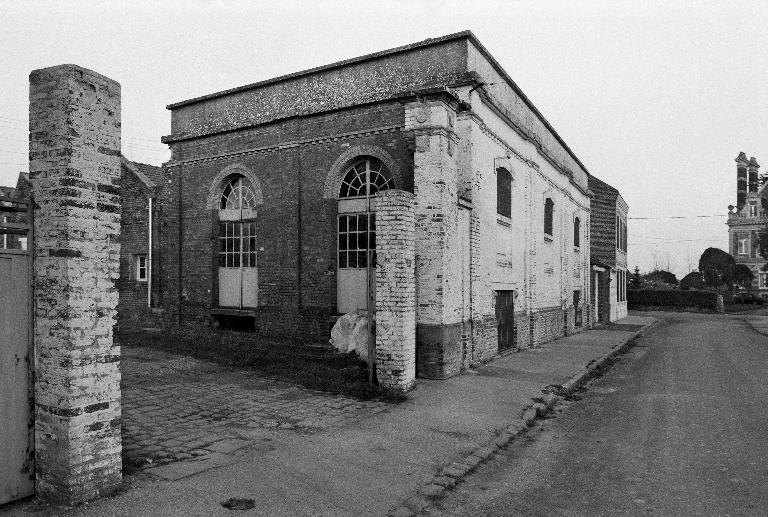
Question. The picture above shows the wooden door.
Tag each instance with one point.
(505, 315)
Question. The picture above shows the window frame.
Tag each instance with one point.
(138, 258)
(743, 246)
(549, 218)
(504, 194)
(577, 233)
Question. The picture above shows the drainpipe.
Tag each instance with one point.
(149, 258)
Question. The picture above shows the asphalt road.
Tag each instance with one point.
(678, 426)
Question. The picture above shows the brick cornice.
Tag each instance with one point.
(287, 145)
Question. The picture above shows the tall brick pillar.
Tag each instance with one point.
(74, 152)
(439, 346)
(395, 290)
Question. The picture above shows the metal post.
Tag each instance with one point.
(371, 305)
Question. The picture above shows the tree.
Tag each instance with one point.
(693, 280)
(659, 276)
(717, 267)
(636, 282)
(743, 276)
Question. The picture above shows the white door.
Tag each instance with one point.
(356, 246)
(238, 275)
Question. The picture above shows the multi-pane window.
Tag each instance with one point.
(237, 194)
(357, 236)
(237, 244)
(503, 193)
(549, 207)
(365, 177)
(763, 280)
(141, 268)
(577, 232)
(752, 209)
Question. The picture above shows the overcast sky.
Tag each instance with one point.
(656, 98)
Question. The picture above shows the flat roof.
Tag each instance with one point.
(465, 34)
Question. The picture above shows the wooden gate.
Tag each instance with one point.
(17, 473)
(505, 315)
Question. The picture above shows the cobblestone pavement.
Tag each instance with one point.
(179, 408)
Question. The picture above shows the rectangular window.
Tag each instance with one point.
(503, 193)
(752, 209)
(743, 246)
(356, 236)
(141, 268)
(763, 280)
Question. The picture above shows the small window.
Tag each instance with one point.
(763, 280)
(503, 193)
(576, 232)
(743, 246)
(549, 207)
(141, 268)
(752, 209)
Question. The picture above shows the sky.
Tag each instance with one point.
(655, 98)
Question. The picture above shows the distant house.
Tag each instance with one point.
(608, 233)
(21, 191)
(143, 192)
(747, 219)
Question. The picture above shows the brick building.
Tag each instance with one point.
(426, 160)
(747, 219)
(20, 191)
(143, 192)
(608, 252)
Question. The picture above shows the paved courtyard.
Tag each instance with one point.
(180, 409)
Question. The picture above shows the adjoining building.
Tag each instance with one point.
(747, 219)
(608, 249)
(280, 191)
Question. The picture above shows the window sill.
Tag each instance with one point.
(577, 249)
(548, 238)
(503, 220)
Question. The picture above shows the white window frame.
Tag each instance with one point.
(744, 246)
(141, 270)
(752, 209)
(763, 279)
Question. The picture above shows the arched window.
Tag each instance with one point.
(365, 177)
(577, 232)
(237, 194)
(238, 276)
(549, 207)
(503, 192)
(357, 230)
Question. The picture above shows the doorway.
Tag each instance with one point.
(505, 316)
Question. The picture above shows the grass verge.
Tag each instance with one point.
(314, 367)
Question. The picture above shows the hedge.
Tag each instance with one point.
(671, 298)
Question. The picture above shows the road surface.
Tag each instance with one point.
(678, 426)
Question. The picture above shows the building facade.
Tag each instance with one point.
(747, 219)
(608, 252)
(280, 192)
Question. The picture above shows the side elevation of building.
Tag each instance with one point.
(608, 252)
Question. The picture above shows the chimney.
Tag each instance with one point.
(752, 167)
(741, 180)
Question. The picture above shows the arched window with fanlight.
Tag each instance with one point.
(356, 235)
(238, 274)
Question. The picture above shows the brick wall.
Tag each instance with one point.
(296, 225)
(75, 172)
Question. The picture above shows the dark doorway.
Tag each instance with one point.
(577, 308)
(505, 315)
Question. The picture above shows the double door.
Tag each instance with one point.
(238, 274)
